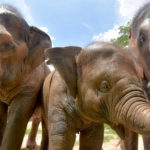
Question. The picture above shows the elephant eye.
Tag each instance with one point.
(142, 39)
(104, 86)
(8, 45)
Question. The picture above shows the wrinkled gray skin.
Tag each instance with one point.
(22, 72)
(92, 86)
(140, 47)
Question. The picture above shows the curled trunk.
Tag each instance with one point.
(133, 111)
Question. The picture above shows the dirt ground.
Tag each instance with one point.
(111, 145)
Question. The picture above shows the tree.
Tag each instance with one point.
(123, 38)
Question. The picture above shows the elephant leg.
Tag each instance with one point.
(130, 142)
(61, 136)
(61, 130)
(92, 137)
(44, 142)
(3, 119)
(20, 112)
(146, 142)
(36, 118)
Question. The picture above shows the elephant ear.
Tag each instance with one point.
(64, 60)
(38, 41)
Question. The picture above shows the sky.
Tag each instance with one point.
(77, 22)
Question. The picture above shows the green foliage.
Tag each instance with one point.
(123, 38)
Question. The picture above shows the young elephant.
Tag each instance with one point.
(21, 74)
(140, 45)
(92, 86)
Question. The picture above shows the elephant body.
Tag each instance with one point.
(63, 119)
(22, 72)
(139, 46)
(91, 86)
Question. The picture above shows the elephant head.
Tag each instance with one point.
(21, 46)
(106, 85)
(140, 39)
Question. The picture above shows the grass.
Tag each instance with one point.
(108, 130)
(109, 134)
(108, 138)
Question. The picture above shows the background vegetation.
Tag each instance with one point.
(123, 39)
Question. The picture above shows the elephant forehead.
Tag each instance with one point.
(105, 59)
(11, 18)
(145, 23)
(7, 9)
(112, 69)
(141, 19)
(102, 62)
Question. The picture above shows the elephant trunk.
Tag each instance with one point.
(133, 111)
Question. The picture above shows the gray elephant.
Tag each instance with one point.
(91, 86)
(140, 47)
(22, 72)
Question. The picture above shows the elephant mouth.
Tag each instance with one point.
(120, 130)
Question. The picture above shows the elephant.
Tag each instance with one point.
(22, 72)
(139, 46)
(91, 86)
